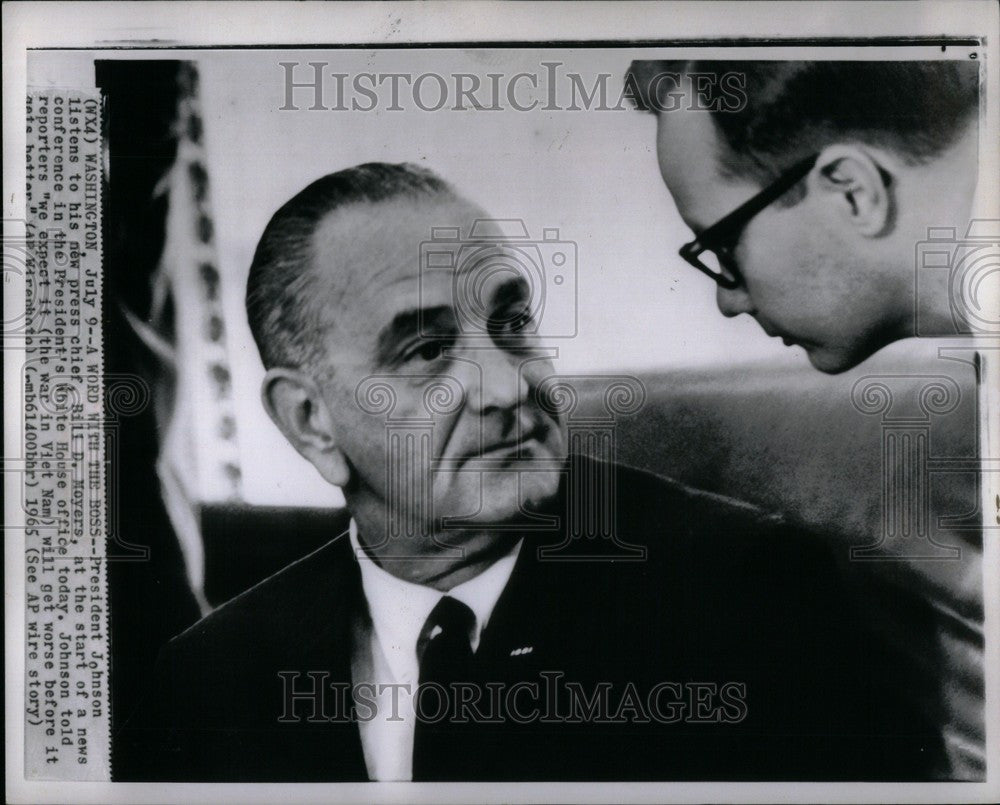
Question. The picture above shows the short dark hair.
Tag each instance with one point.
(795, 108)
(283, 320)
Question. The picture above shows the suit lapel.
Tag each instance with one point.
(524, 631)
(324, 632)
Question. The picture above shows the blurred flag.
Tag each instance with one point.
(198, 459)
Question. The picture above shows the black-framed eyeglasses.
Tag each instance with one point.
(712, 251)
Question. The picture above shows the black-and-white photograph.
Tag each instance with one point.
(560, 410)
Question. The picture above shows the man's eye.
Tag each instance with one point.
(429, 350)
(523, 322)
(513, 323)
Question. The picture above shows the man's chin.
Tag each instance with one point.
(832, 361)
(500, 497)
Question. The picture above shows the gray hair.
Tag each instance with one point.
(283, 316)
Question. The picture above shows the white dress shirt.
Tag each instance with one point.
(385, 653)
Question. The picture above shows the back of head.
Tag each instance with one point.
(279, 288)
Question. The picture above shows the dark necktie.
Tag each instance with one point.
(445, 653)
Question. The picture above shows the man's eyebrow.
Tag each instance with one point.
(406, 324)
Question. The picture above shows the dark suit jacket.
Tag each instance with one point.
(724, 595)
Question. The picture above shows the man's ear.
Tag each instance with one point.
(294, 402)
(858, 188)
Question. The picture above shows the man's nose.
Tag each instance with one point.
(733, 301)
(499, 382)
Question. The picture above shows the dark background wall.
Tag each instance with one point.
(150, 597)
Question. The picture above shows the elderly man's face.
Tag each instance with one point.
(805, 278)
(429, 406)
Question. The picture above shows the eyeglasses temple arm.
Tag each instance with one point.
(764, 198)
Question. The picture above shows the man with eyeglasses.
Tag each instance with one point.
(809, 185)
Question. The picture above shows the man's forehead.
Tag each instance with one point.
(367, 245)
(373, 259)
(688, 148)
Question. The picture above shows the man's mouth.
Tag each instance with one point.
(787, 340)
(510, 447)
(514, 446)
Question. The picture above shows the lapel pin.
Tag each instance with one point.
(519, 651)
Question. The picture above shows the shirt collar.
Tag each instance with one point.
(400, 608)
